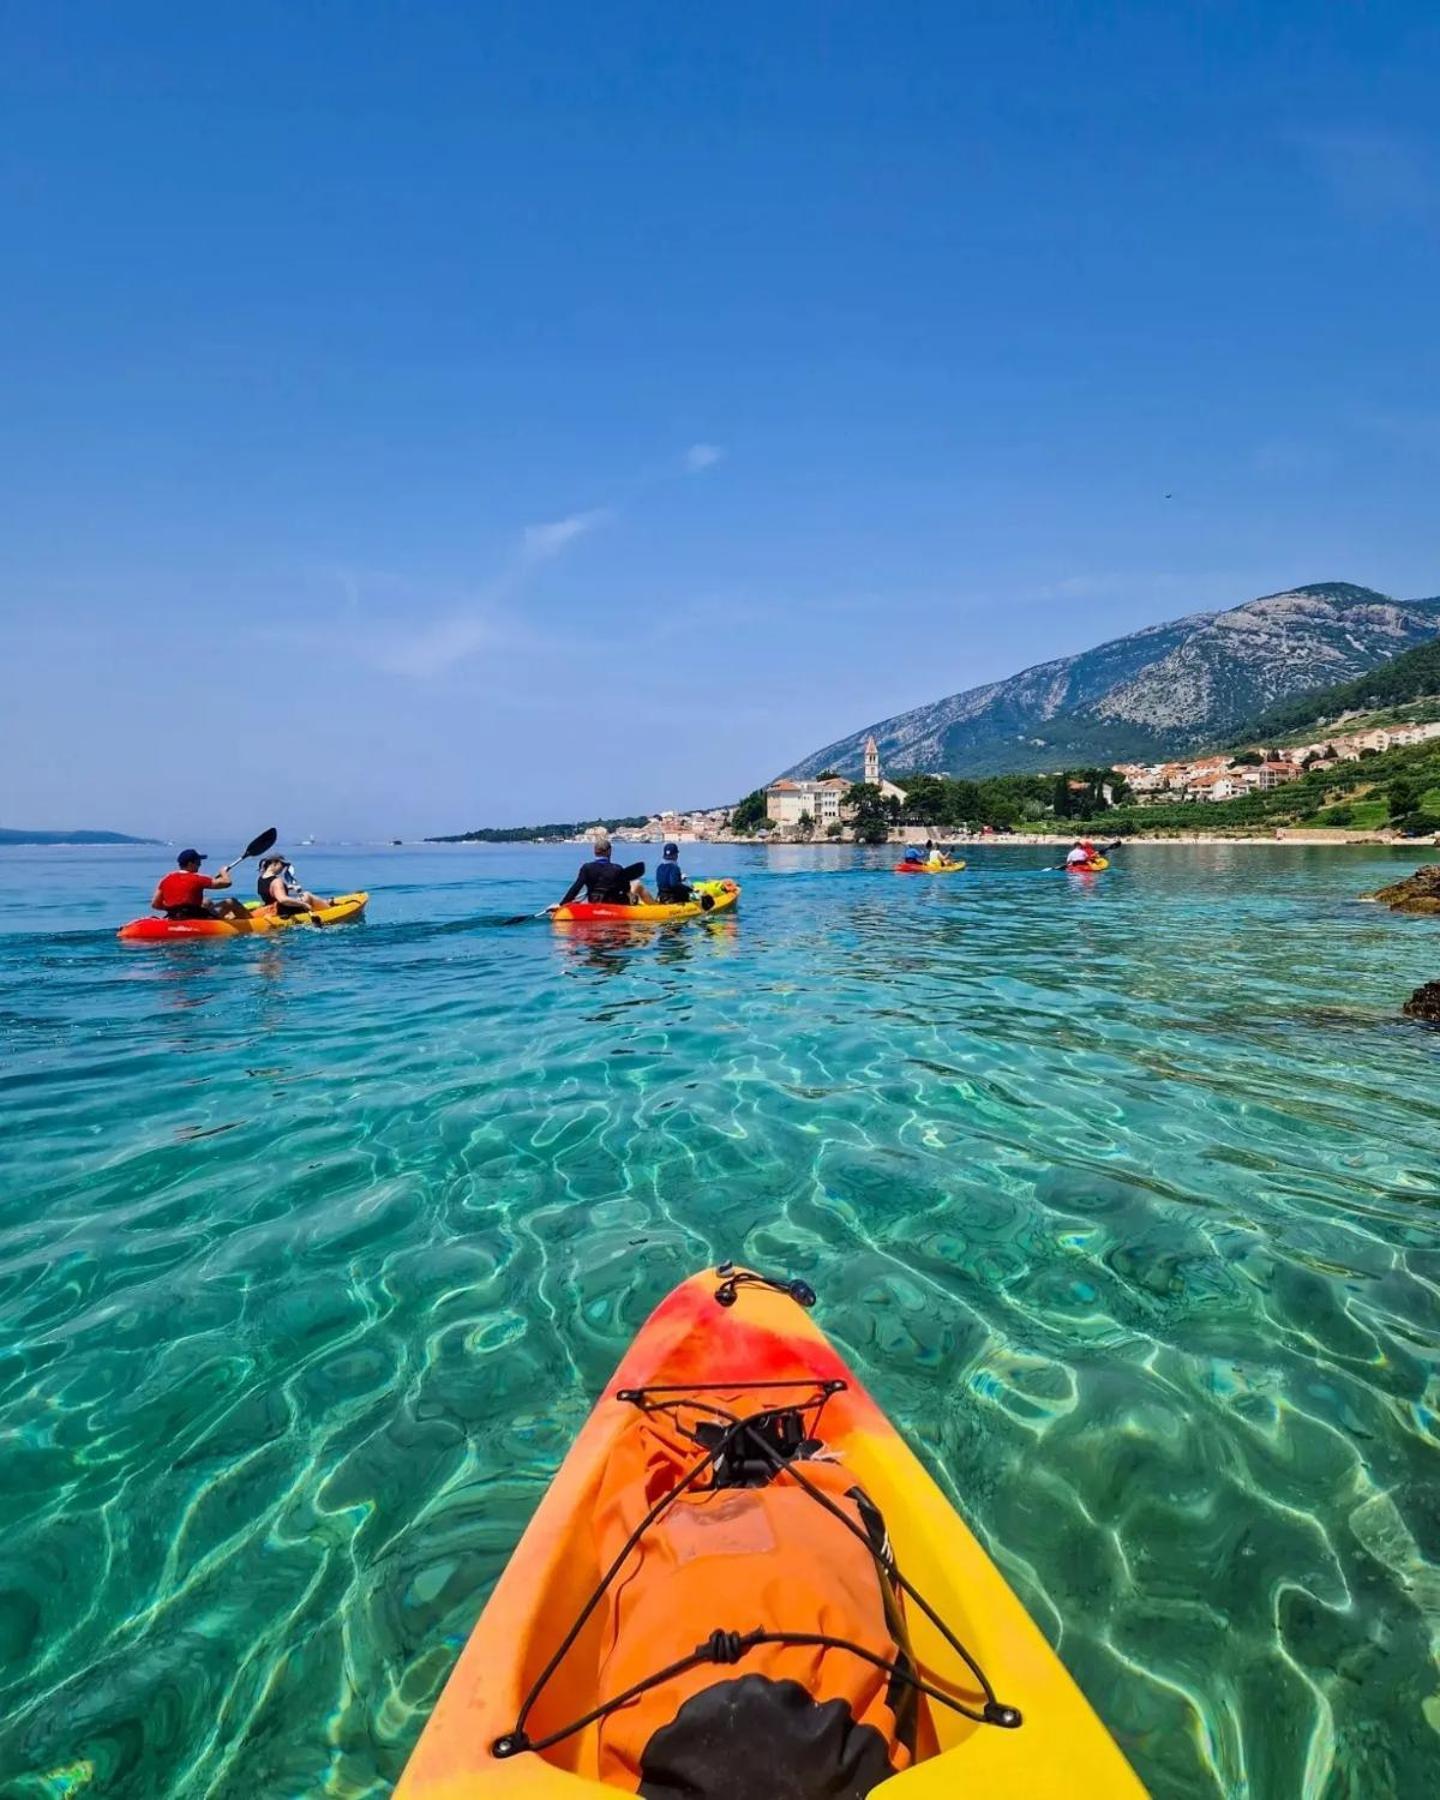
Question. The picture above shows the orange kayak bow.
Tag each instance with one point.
(740, 1583)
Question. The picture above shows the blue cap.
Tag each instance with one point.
(672, 850)
(189, 856)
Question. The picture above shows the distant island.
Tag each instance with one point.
(538, 834)
(71, 837)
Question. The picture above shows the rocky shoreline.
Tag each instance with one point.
(1424, 1004)
(1417, 893)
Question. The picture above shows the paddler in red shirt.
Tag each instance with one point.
(181, 893)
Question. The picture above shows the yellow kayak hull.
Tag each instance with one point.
(725, 895)
(1061, 1751)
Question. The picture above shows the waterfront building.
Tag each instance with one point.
(788, 802)
(1414, 734)
(874, 776)
(1144, 778)
(1214, 784)
(682, 827)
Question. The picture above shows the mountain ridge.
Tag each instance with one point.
(1412, 675)
(1155, 692)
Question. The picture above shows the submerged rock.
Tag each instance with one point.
(1424, 1004)
(1417, 893)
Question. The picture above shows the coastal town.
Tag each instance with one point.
(1258, 769)
(806, 810)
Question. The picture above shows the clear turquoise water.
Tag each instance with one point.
(313, 1251)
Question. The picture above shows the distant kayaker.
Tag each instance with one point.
(1080, 854)
(605, 882)
(181, 893)
(279, 887)
(914, 854)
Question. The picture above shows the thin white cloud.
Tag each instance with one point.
(1196, 590)
(1372, 172)
(437, 647)
(1415, 431)
(486, 622)
(1292, 458)
(702, 456)
(1078, 587)
(542, 542)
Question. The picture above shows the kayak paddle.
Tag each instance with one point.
(256, 847)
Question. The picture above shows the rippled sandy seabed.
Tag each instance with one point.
(314, 1251)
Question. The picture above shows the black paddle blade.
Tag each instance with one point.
(258, 846)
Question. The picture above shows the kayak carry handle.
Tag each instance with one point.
(733, 1279)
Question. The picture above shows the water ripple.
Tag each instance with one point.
(314, 1252)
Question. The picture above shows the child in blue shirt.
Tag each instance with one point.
(671, 888)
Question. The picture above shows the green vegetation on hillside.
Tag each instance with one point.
(1397, 789)
(1008, 802)
(750, 814)
(1413, 675)
(529, 834)
(871, 815)
(1415, 713)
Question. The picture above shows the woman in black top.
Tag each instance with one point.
(278, 887)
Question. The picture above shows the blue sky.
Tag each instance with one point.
(417, 416)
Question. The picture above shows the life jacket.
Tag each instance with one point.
(607, 883)
(731, 1559)
(266, 882)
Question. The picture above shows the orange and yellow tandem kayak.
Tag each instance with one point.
(259, 918)
(712, 897)
(741, 1583)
